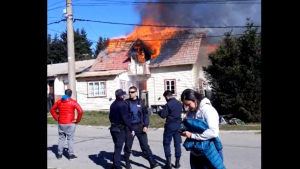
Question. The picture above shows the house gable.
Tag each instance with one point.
(182, 49)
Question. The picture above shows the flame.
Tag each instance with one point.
(152, 37)
(212, 48)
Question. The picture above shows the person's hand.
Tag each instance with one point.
(74, 121)
(132, 133)
(186, 134)
(160, 107)
(145, 129)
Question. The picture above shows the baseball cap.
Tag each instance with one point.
(120, 92)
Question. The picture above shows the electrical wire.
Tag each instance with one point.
(103, 3)
(57, 22)
(165, 26)
(55, 3)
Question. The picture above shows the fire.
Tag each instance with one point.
(152, 37)
(212, 48)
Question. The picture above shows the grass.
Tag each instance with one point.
(96, 118)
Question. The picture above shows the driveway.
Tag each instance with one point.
(94, 148)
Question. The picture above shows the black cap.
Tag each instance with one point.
(119, 93)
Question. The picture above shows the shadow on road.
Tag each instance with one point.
(155, 157)
(105, 159)
(55, 150)
(102, 159)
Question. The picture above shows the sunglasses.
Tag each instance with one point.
(132, 91)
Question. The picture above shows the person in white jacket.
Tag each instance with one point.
(200, 107)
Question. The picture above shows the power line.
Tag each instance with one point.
(102, 3)
(55, 4)
(56, 22)
(55, 8)
(204, 37)
(55, 30)
(165, 26)
(92, 29)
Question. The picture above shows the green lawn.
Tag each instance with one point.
(95, 118)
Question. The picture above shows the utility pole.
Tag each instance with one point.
(71, 50)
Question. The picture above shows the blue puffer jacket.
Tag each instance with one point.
(210, 148)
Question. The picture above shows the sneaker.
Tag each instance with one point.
(59, 157)
(72, 157)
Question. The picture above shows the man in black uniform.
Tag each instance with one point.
(118, 117)
(172, 112)
(139, 119)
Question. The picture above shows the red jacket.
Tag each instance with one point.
(66, 114)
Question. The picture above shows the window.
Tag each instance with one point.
(96, 89)
(170, 84)
(123, 85)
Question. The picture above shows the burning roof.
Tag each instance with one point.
(179, 48)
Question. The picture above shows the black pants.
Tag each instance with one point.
(168, 135)
(118, 139)
(142, 137)
(201, 162)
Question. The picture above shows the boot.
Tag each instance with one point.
(127, 162)
(168, 164)
(114, 167)
(177, 162)
(152, 162)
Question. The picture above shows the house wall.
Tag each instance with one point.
(60, 86)
(128, 82)
(196, 74)
(156, 87)
(204, 61)
(97, 103)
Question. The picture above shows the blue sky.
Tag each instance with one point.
(229, 14)
(124, 14)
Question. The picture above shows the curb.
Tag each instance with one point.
(154, 129)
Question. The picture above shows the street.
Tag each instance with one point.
(94, 148)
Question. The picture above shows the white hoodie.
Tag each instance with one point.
(208, 113)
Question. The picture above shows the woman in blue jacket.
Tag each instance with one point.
(200, 107)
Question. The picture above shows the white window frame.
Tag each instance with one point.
(100, 93)
(123, 85)
(168, 87)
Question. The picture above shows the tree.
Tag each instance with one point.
(82, 44)
(101, 44)
(48, 48)
(235, 75)
(56, 50)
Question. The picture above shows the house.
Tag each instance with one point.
(57, 76)
(125, 63)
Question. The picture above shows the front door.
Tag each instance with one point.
(51, 90)
(140, 87)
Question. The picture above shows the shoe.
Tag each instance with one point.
(127, 162)
(152, 162)
(72, 157)
(168, 164)
(59, 157)
(177, 162)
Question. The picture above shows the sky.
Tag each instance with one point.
(221, 15)
(111, 13)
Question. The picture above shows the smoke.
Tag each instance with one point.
(204, 14)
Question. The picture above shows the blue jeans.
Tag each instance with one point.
(201, 162)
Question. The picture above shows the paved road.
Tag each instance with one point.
(94, 147)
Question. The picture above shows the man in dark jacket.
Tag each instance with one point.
(172, 112)
(66, 121)
(139, 119)
(118, 117)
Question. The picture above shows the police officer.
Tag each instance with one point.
(139, 119)
(172, 112)
(118, 117)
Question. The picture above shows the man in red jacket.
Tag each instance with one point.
(66, 122)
